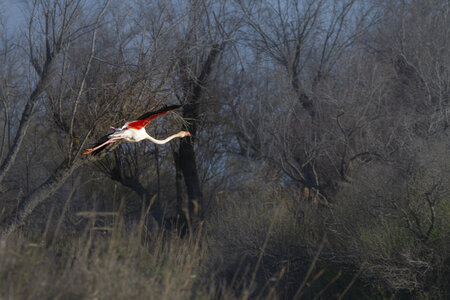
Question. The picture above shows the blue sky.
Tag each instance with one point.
(11, 13)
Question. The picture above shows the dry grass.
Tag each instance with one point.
(112, 263)
(258, 243)
(101, 265)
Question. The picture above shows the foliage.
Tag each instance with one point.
(318, 166)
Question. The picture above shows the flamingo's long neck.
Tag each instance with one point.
(163, 141)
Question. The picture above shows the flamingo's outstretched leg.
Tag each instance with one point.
(112, 140)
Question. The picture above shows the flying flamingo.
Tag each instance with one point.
(134, 131)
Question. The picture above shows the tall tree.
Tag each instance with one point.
(199, 47)
(303, 43)
(61, 26)
(57, 24)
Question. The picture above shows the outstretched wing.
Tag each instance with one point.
(143, 120)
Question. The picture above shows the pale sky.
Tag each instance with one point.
(11, 13)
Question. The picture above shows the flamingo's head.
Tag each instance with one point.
(184, 133)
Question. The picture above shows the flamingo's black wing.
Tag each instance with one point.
(143, 120)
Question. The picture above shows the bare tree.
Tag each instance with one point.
(10, 79)
(304, 42)
(199, 47)
(56, 35)
(59, 32)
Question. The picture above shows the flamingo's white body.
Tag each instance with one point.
(134, 131)
(136, 135)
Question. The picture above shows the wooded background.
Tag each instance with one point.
(318, 165)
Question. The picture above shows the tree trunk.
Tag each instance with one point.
(25, 121)
(187, 165)
(185, 158)
(29, 202)
(133, 183)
